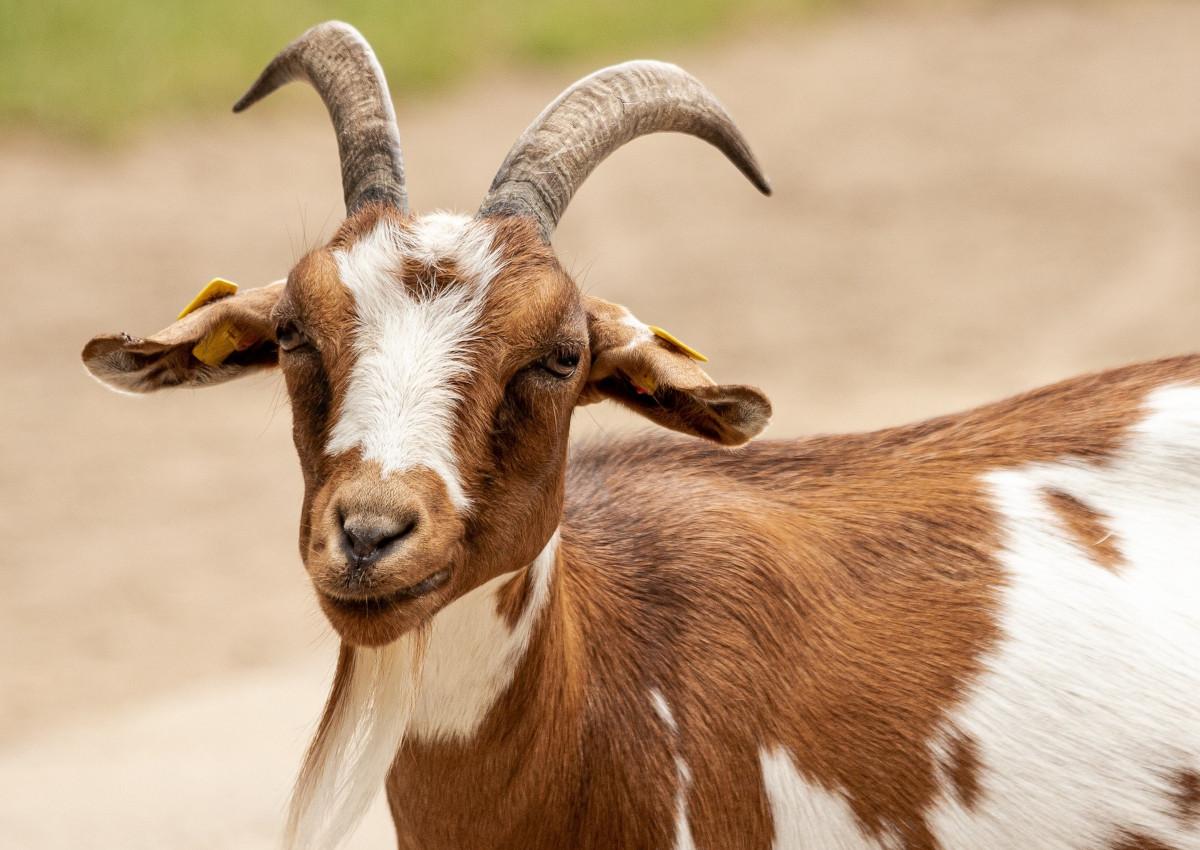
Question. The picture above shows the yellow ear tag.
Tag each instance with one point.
(644, 384)
(225, 338)
(686, 349)
(216, 288)
(220, 342)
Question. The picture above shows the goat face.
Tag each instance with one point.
(432, 365)
(433, 362)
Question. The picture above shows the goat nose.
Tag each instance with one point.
(366, 538)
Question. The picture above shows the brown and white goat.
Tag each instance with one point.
(979, 631)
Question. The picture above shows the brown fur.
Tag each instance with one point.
(962, 768)
(1089, 527)
(1137, 841)
(1187, 797)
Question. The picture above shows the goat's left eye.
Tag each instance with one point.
(290, 337)
(560, 364)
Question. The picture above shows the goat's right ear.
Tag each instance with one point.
(214, 342)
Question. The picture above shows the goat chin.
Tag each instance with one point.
(369, 708)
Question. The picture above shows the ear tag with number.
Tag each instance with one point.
(686, 349)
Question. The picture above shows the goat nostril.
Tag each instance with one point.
(367, 537)
(406, 524)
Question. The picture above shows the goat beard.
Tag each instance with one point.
(369, 708)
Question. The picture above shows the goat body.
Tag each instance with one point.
(976, 632)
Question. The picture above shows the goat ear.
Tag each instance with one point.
(653, 374)
(218, 337)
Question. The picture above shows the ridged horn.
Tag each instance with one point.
(337, 61)
(592, 119)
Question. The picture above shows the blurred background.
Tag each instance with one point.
(971, 199)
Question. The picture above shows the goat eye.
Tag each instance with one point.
(560, 364)
(290, 337)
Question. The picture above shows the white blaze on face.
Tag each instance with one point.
(412, 344)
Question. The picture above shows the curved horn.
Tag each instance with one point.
(337, 61)
(592, 119)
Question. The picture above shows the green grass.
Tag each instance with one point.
(94, 69)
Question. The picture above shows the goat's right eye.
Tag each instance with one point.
(560, 364)
(290, 337)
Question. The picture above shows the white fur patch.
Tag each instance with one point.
(805, 815)
(1091, 702)
(365, 735)
(401, 399)
(473, 654)
(683, 830)
(683, 774)
(641, 331)
(663, 710)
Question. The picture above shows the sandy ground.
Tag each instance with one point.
(968, 204)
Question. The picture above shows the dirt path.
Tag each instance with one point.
(967, 204)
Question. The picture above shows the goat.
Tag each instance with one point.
(979, 631)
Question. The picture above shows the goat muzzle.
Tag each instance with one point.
(383, 551)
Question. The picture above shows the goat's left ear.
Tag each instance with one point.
(224, 336)
(655, 375)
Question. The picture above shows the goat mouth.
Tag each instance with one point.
(374, 605)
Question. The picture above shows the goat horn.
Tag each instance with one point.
(337, 61)
(592, 119)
